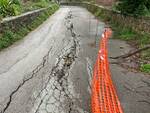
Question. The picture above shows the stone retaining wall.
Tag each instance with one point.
(14, 23)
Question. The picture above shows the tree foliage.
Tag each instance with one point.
(136, 7)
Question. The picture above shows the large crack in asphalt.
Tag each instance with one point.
(57, 96)
(27, 78)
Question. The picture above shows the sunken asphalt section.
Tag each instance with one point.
(50, 70)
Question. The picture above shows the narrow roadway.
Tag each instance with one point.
(50, 70)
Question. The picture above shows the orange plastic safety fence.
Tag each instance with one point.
(104, 97)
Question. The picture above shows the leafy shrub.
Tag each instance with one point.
(135, 7)
(9, 7)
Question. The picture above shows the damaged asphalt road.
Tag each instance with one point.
(50, 70)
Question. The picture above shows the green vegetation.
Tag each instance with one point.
(134, 7)
(9, 36)
(145, 68)
(35, 4)
(9, 7)
(16, 7)
(127, 34)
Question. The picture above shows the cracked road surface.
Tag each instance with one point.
(50, 70)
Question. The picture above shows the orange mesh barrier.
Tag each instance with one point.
(104, 97)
